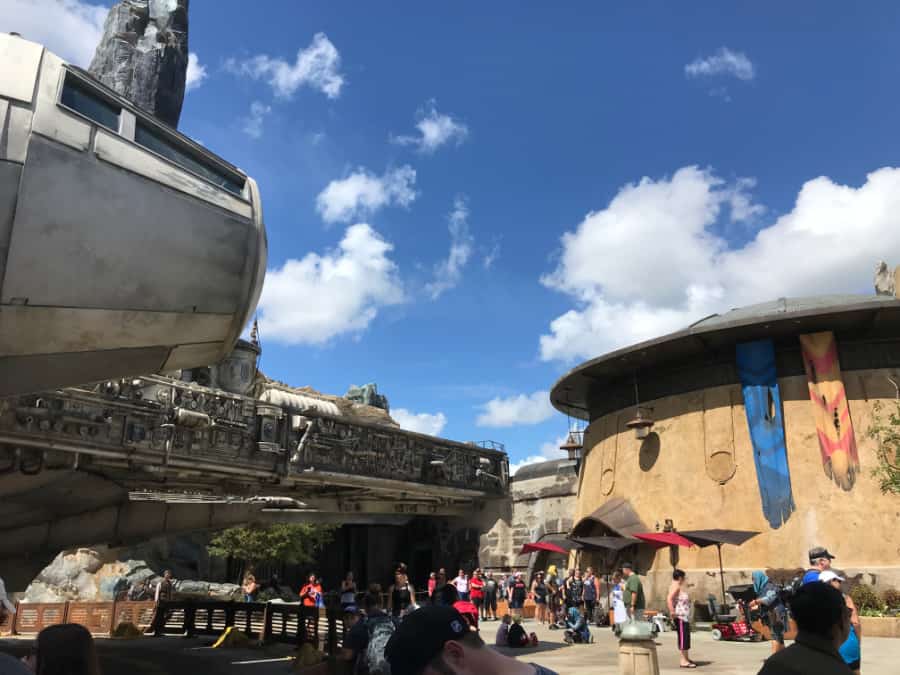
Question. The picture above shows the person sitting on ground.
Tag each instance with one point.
(823, 624)
(436, 641)
(819, 561)
(502, 638)
(577, 626)
(368, 637)
(65, 649)
(517, 636)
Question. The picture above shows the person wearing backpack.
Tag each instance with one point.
(368, 637)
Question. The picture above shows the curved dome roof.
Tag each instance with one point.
(775, 319)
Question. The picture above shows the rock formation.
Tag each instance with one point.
(143, 55)
(368, 395)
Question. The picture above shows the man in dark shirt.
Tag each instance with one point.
(359, 635)
(823, 624)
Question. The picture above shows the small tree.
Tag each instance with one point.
(885, 431)
(291, 543)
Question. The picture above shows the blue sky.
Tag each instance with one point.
(465, 200)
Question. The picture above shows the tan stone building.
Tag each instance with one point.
(700, 466)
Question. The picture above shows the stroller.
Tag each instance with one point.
(736, 626)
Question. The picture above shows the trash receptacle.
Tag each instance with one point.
(637, 650)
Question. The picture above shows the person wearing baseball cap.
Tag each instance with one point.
(819, 560)
(436, 640)
(850, 649)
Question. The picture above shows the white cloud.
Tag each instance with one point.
(319, 297)
(435, 129)
(69, 28)
(448, 273)
(253, 123)
(196, 72)
(317, 66)
(650, 262)
(423, 423)
(548, 451)
(491, 256)
(516, 410)
(362, 193)
(723, 62)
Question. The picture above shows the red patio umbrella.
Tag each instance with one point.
(660, 539)
(542, 546)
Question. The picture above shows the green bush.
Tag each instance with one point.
(891, 598)
(866, 599)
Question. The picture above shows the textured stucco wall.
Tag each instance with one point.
(682, 472)
(537, 506)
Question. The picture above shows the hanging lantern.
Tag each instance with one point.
(641, 423)
(573, 445)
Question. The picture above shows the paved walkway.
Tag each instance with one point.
(180, 656)
(880, 655)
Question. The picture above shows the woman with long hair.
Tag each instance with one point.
(539, 595)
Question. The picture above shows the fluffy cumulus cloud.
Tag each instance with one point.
(316, 66)
(723, 62)
(651, 261)
(423, 423)
(253, 123)
(322, 296)
(448, 272)
(548, 451)
(516, 410)
(69, 28)
(435, 129)
(196, 72)
(362, 193)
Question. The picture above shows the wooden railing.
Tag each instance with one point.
(267, 622)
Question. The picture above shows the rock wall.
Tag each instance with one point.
(143, 55)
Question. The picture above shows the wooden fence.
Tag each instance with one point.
(268, 622)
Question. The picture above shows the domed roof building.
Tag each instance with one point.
(757, 419)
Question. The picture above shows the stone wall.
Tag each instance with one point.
(542, 502)
(678, 474)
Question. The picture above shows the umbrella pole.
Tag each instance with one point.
(721, 572)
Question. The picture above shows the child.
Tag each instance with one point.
(503, 631)
(517, 637)
(577, 626)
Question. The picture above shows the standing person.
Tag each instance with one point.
(462, 585)
(554, 589)
(633, 595)
(65, 649)
(620, 613)
(570, 577)
(774, 614)
(851, 649)
(401, 596)
(823, 624)
(165, 589)
(439, 583)
(819, 561)
(367, 639)
(348, 592)
(476, 591)
(539, 594)
(311, 593)
(508, 585)
(432, 583)
(250, 588)
(517, 595)
(437, 641)
(490, 597)
(679, 604)
(591, 593)
(7, 609)
(575, 590)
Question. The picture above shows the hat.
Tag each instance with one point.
(421, 636)
(627, 565)
(819, 552)
(828, 575)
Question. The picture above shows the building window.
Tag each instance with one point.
(176, 152)
(78, 96)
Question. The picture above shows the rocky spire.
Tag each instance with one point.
(143, 55)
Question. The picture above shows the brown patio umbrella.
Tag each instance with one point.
(704, 538)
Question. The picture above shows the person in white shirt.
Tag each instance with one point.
(462, 585)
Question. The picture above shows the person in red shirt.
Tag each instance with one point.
(476, 592)
(432, 584)
(311, 593)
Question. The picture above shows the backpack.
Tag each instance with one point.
(380, 630)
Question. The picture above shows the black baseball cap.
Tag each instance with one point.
(421, 636)
(627, 566)
(819, 552)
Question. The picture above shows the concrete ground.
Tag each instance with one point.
(180, 656)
